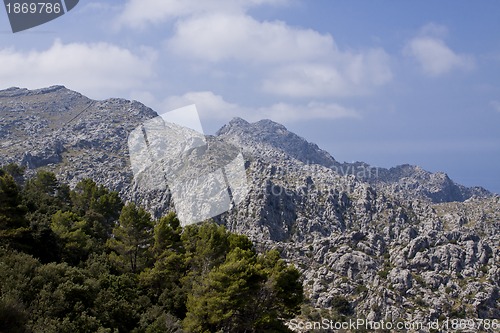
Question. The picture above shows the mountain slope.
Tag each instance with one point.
(399, 243)
(70, 134)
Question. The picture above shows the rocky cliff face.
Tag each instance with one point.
(70, 134)
(399, 243)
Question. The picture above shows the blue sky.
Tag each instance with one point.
(385, 82)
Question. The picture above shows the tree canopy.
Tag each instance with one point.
(81, 260)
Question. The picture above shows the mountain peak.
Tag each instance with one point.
(13, 92)
(266, 134)
(269, 124)
(237, 121)
(239, 124)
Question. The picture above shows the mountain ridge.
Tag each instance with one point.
(279, 137)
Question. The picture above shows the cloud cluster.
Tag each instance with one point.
(141, 13)
(292, 61)
(289, 61)
(217, 107)
(433, 55)
(220, 36)
(99, 70)
(349, 75)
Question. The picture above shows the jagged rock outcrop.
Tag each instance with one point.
(396, 244)
(436, 187)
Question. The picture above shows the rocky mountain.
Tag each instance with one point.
(70, 134)
(409, 181)
(276, 139)
(381, 244)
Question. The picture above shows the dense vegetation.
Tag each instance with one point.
(81, 260)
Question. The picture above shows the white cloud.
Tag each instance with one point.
(215, 107)
(140, 13)
(206, 102)
(99, 70)
(433, 55)
(222, 36)
(288, 61)
(308, 79)
(351, 74)
(294, 62)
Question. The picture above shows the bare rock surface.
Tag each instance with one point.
(397, 244)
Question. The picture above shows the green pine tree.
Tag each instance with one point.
(132, 238)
